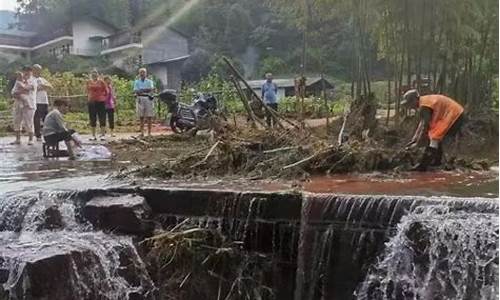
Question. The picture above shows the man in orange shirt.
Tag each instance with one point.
(440, 117)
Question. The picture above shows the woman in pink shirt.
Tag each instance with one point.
(110, 105)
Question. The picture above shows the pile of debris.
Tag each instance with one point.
(290, 151)
(281, 154)
(190, 262)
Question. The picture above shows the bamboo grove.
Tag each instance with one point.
(453, 44)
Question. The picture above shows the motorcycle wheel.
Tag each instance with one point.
(175, 127)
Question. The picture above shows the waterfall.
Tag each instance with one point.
(342, 238)
(308, 246)
(46, 252)
(438, 254)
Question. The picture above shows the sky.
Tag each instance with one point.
(8, 5)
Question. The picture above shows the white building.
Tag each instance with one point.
(161, 49)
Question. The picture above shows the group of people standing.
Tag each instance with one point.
(102, 102)
(31, 102)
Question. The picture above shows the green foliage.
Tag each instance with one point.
(272, 64)
(76, 64)
(125, 99)
(4, 94)
(223, 90)
(3, 104)
(3, 85)
(453, 41)
(125, 121)
(313, 107)
(69, 84)
(495, 96)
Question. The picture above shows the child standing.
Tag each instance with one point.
(110, 105)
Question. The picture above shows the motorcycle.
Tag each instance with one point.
(197, 116)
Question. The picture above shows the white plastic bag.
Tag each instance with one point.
(95, 152)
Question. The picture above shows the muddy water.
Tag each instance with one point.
(24, 168)
(470, 184)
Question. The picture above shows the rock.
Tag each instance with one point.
(51, 219)
(126, 214)
(86, 266)
(55, 274)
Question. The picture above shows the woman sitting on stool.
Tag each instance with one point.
(54, 130)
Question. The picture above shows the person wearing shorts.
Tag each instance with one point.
(143, 87)
(54, 129)
(24, 94)
(97, 92)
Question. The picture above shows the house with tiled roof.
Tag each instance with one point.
(162, 49)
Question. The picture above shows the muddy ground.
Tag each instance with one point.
(239, 152)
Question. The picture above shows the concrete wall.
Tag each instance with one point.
(174, 75)
(168, 73)
(161, 44)
(160, 72)
(83, 30)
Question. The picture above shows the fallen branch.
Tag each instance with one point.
(281, 149)
(338, 162)
(309, 158)
(208, 155)
(140, 141)
(211, 150)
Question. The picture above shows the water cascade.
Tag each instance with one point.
(84, 245)
(46, 252)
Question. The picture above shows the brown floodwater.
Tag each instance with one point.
(22, 168)
(468, 184)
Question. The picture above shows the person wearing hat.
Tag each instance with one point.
(42, 100)
(270, 97)
(440, 117)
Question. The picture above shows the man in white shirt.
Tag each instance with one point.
(42, 100)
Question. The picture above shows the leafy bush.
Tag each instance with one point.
(3, 104)
(272, 64)
(495, 95)
(313, 107)
(68, 84)
(223, 90)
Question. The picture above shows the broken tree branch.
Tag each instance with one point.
(244, 100)
(271, 111)
(309, 158)
(280, 149)
(207, 156)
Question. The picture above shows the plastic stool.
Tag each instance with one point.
(50, 150)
